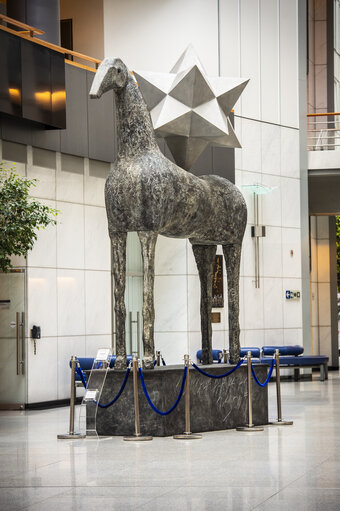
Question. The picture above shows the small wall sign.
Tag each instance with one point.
(293, 295)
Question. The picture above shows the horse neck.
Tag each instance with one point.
(134, 127)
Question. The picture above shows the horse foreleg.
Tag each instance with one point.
(205, 256)
(118, 241)
(148, 244)
(232, 255)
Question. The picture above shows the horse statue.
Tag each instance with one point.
(147, 193)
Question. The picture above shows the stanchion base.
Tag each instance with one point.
(188, 436)
(280, 423)
(249, 428)
(71, 436)
(140, 438)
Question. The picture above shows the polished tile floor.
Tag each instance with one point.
(290, 468)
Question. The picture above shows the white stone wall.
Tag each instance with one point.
(258, 39)
(68, 274)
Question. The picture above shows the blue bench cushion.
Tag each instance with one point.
(217, 355)
(283, 350)
(303, 360)
(255, 352)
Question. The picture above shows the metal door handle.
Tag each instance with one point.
(18, 342)
(22, 355)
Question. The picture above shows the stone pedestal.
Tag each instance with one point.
(216, 404)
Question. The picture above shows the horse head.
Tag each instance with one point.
(111, 74)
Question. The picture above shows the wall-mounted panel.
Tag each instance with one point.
(101, 124)
(32, 81)
(10, 75)
(16, 129)
(74, 139)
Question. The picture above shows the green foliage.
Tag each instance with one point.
(20, 216)
(338, 249)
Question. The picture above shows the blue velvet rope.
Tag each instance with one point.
(268, 377)
(81, 376)
(119, 393)
(178, 397)
(218, 375)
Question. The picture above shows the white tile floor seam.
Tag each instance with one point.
(291, 467)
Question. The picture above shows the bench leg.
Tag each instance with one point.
(322, 372)
(296, 374)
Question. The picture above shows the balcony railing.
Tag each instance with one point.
(28, 32)
(323, 131)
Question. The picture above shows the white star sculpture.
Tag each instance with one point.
(189, 109)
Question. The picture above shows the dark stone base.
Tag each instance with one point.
(216, 404)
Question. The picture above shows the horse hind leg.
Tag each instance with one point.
(232, 255)
(205, 256)
(148, 245)
(118, 241)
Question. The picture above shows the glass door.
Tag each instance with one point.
(12, 340)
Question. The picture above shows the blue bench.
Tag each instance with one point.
(292, 357)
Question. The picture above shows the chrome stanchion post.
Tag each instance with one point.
(280, 421)
(71, 434)
(225, 356)
(250, 426)
(187, 435)
(158, 358)
(137, 436)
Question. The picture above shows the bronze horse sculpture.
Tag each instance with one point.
(147, 193)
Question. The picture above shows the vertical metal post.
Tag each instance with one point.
(158, 358)
(130, 324)
(225, 356)
(71, 434)
(138, 334)
(280, 421)
(22, 355)
(187, 435)
(137, 436)
(17, 321)
(257, 248)
(250, 426)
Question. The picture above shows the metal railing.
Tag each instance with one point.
(323, 131)
(30, 32)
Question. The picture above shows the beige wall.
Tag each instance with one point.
(88, 25)
(321, 287)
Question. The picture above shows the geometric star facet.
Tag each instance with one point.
(189, 109)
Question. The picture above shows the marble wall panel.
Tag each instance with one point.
(42, 300)
(170, 257)
(273, 303)
(71, 302)
(171, 303)
(70, 235)
(97, 247)
(271, 148)
(97, 302)
(291, 263)
(44, 252)
(42, 381)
